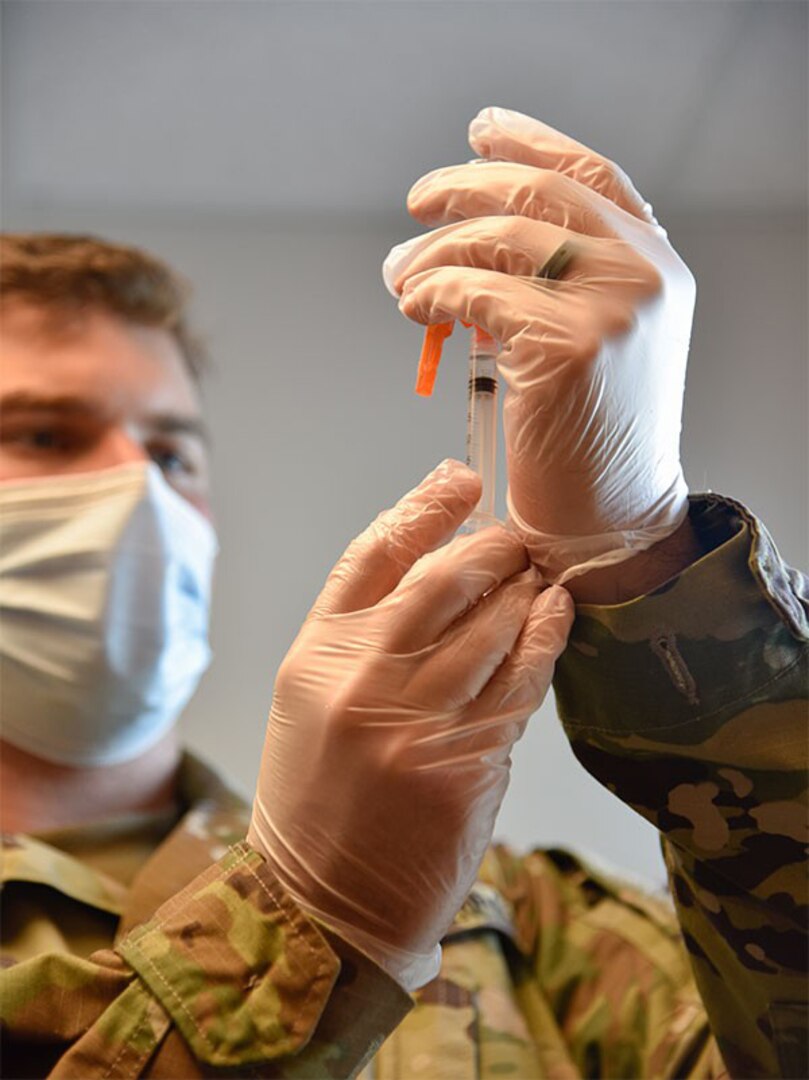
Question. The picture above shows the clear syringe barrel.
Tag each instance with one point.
(481, 424)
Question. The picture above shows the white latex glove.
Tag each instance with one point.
(393, 718)
(594, 363)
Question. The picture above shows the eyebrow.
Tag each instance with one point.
(165, 423)
(25, 401)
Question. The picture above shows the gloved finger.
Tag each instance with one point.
(574, 319)
(512, 136)
(375, 562)
(484, 188)
(520, 684)
(523, 247)
(447, 583)
(510, 245)
(475, 645)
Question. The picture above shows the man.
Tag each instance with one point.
(396, 710)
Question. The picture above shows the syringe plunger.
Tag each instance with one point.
(481, 426)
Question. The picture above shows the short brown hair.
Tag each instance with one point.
(64, 273)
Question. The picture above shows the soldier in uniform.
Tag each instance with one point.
(354, 919)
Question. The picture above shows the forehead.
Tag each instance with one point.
(121, 366)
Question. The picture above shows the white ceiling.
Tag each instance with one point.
(337, 106)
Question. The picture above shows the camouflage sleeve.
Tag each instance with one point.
(228, 974)
(690, 705)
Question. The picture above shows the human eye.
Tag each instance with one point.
(36, 436)
(172, 459)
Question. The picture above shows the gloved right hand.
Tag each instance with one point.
(394, 715)
(594, 360)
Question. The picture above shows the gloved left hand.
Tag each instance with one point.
(594, 363)
(393, 719)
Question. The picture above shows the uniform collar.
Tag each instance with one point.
(211, 816)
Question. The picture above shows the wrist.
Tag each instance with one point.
(597, 554)
(640, 574)
(409, 967)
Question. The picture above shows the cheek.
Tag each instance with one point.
(194, 482)
(201, 501)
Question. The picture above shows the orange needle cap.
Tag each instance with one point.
(431, 356)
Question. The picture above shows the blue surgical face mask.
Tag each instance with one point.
(105, 582)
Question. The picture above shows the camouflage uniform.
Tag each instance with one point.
(689, 704)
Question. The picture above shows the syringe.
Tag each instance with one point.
(481, 417)
(481, 426)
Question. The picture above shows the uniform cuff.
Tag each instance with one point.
(244, 975)
(719, 632)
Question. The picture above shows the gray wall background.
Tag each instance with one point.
(315, 423)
